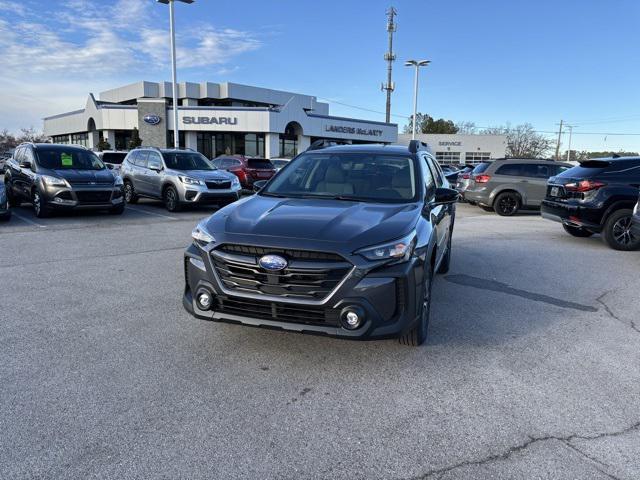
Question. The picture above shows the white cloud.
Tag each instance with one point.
(83, 45)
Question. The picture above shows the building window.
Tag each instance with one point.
(62, 139)
(170, 139)
(254, 145)
(205, 145)
(448, 157)
(477, 157)
(80, 139)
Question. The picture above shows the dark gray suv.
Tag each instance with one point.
(507, 185)
(177, 177)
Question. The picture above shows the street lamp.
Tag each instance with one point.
(176, 130)
(417, 64)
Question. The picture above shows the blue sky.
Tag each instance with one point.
(493, 61)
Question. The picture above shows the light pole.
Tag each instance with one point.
(176, 130)
(417, 64)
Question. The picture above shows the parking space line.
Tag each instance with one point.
(27, 220)
(138, 209)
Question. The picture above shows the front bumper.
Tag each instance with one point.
(200, 194)
(86, 197)
(387, 297)
(572, 215)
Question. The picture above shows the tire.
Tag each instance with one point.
(617, 232)
(119, 210)
(418, 333)
(6, 217)
(487, 209)
(11, 197)
(507, 204)
(171, 199)
(39, 209)
(130, 195)
(577, 231)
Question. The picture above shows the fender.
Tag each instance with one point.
(617, 205)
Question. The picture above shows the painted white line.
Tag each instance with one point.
(138, 209)
(26, 220)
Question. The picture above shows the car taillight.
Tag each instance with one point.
(482, 178)
(583, 186)
(466, 176)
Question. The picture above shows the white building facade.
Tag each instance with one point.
(454, 149)
(215, 119)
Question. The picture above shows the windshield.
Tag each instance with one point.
(481, 167)
(186, 161)
(68, 159)
(347, 176)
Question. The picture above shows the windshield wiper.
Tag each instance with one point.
(270, 194)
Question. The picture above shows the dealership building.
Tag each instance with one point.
(213, 118)
(456, 148)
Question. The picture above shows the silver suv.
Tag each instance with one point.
(177, 177)
(507, 185)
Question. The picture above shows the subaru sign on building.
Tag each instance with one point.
(213, 118)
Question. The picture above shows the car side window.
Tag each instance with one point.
(437, 171)
(512, 170)
(154, 160)
(27, 156)
(141, 159)
(534, 170)
(427, 176)
(217, 163)
(131, 159)
(17, 155)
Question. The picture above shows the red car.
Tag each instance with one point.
(248, 170)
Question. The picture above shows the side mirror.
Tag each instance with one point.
(25, 164)
(155, 167)
(445, 196)
(109, 166)
(452, 177)
(259, 185)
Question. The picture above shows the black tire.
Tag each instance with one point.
(119, 210)
(6, 217)
(487, 209)
(577, 231)
(507, 204)
(39, 209)
(617, 232)
(130, 195)
(11, 197)
(171, 199)
(418, 333)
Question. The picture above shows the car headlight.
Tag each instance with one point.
(400, 249)
(54, 181)
(201, 235)
(235, 182)
(190, 181)
(117, 181)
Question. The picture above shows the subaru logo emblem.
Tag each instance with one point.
(152, 119)
(273, 263)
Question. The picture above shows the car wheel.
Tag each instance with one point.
(617, 232)
(418, 333)
(38, 205)
(507, 204)
(577, 231)
(11, 197)
(171, 199)
(119, 210)
(130, 195)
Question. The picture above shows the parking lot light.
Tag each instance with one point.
(417, 64)
(176, 131)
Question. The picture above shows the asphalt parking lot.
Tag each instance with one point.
(532, 368)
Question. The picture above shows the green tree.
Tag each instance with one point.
(135, 141)
(427, 124)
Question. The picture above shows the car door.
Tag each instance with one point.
(440, 215)
(28, 170)
(535, 177)
(140, 173)
(15, 173)
(153, 174)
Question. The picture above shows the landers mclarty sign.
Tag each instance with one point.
(353, 130)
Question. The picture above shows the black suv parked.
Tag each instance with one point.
(59, 177)
(343, 241)
(598, 196)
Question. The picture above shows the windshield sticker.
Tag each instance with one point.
(66, 160)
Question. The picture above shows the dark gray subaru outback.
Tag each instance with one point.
(343, 241)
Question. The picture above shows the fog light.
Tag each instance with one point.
(352, 317)
(204, 299)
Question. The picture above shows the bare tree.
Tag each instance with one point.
(522, 140)
(31, 135)
(466, 128)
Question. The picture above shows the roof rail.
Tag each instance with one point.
(415, 145)
(320, 144)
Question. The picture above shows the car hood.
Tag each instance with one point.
(73, 175)
(353, 223)
(206, 174)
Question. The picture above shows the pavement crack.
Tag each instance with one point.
(601, 301)
(437, 473)
(495, 286)
(599, 465)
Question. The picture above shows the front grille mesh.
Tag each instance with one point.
(218, 185)
(93, 196)
(313, 278)
(277, 311)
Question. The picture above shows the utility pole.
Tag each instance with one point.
(558, 144)
(570, 127)
(390, 58)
